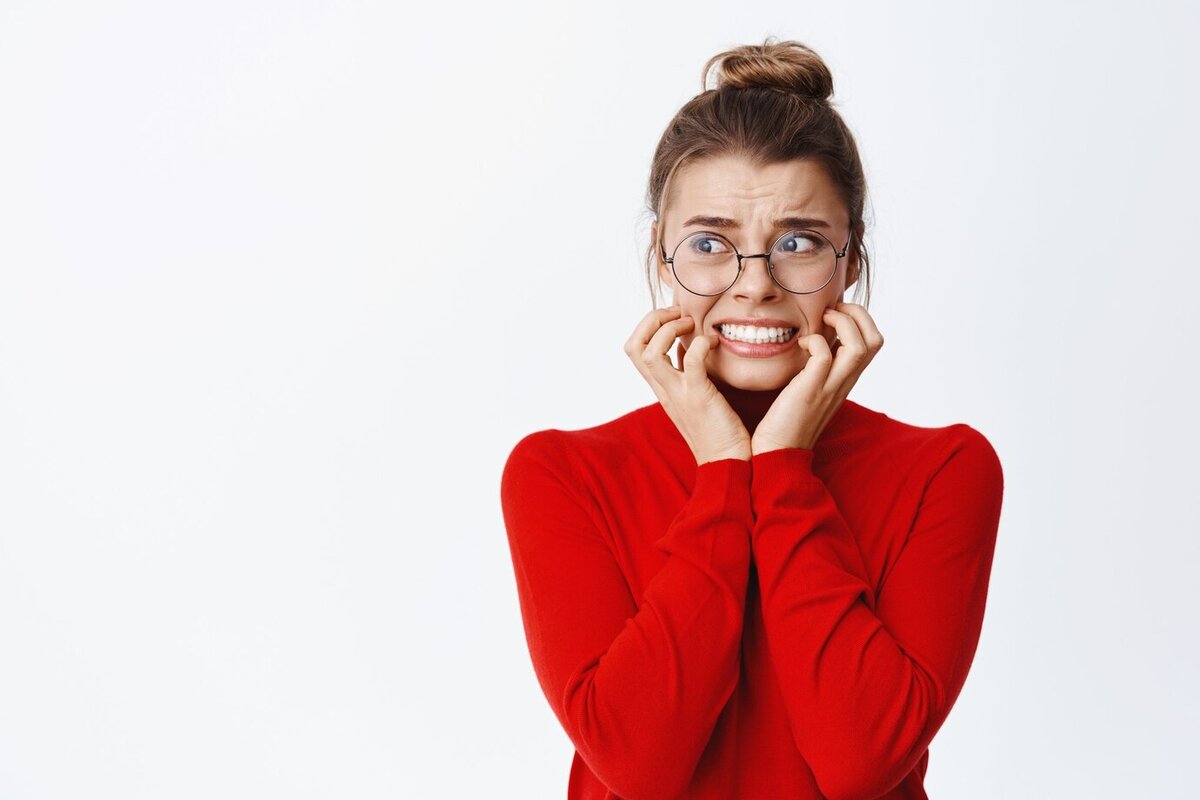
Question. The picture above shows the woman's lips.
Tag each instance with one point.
(753, 349)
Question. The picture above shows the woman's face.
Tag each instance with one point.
(753, 204)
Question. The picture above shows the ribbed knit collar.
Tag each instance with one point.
(835, 438)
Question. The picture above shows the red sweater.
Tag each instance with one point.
(797, 625)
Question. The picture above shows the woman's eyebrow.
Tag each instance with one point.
(725, 222)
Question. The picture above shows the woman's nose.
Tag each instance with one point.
(755, 281)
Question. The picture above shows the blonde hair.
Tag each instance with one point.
(770, 103)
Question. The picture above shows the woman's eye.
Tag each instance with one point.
(801, 243)
(708, 245)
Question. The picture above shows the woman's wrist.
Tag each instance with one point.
(742, 454)
(758, 446)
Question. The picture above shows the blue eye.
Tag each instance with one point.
(705, 245)
(804, 244)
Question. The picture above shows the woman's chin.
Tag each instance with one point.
(751, 377)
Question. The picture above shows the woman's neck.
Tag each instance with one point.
(750, 406)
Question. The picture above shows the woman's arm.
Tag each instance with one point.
(637, 690)
(867, 681)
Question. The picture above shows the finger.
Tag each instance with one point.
(680, 353)
(872, 341)
(694, 372)
(852, 355)
(635, 346)
(645, 329)
(866, 324)
(816, 369)
(655, 357)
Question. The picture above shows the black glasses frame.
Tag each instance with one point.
(838, 256)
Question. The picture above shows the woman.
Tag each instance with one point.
(755, 587)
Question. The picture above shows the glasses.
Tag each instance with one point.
(800, 261)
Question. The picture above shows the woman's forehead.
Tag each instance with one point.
(739, 189)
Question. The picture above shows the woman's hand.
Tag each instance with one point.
(810, 400)
(703, 416)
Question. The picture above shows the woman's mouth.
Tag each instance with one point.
(756, 341)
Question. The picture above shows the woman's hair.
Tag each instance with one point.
(770, 104)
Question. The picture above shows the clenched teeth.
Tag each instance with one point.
(756, 334)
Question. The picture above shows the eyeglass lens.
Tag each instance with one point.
(801, 262)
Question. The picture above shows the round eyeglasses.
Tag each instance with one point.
(800, 261)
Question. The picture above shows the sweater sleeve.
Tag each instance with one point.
(638, 690)
(867, 681)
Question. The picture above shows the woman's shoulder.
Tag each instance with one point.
(875, 424)
(927, 447)
(611, 441)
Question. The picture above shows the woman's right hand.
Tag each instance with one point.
(703, 416)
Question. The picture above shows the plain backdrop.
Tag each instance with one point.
(282, 283)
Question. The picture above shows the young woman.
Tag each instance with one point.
(754, 587)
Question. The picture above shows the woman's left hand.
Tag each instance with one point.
(810, 399)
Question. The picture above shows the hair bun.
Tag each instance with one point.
(787, 66)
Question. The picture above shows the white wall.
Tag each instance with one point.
(281, 283)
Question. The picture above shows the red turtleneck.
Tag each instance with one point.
(798, 625)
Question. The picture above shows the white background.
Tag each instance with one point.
(282, 283)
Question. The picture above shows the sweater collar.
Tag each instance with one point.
(831, 440)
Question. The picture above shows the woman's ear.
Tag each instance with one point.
(852, 270)
(665, 276)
